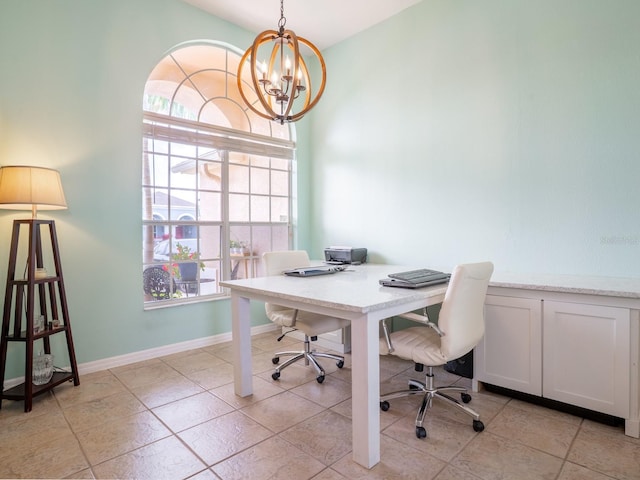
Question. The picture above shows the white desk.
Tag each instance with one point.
(354, 295)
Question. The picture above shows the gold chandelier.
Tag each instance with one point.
(282, 83)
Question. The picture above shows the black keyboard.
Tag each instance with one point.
(415, 275)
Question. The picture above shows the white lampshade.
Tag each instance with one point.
(31, 188)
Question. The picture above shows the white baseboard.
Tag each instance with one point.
(142, 355)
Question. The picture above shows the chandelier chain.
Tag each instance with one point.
(283, 20)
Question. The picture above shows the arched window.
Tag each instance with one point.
(216, 178)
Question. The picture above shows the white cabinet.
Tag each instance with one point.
(579, 349)
(509, 355)
(586, 356)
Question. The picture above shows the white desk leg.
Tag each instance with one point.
(241, 336)
(365, 385)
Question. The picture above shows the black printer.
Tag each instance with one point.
(345, 255)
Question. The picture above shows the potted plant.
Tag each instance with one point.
(187, 262)
(237, 248)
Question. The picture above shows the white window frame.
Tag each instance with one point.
(168, 128)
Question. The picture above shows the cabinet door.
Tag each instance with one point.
(510, 354)
(586, 356)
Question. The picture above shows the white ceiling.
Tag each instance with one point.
(322, 22)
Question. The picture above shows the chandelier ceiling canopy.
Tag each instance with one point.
(279, 63)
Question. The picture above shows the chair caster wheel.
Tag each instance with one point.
(384, 406)
(413, 387)
(421, 432)
(275, 375)
(478, 426)
(340, 363)
(275, 360)
(320, 379)
(466, 398)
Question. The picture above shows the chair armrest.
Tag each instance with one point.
(385, 329)
(283, 316)
(292, 326)
(424, 320)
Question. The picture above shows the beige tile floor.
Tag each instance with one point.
(177, 417)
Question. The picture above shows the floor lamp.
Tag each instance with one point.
(33, 188)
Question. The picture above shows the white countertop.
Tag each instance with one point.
(583, 284)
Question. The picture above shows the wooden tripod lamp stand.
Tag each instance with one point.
(34, 299)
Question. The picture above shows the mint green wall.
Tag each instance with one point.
(465, 130)
(515, 121)
(73, 74)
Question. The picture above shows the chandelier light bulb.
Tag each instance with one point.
(287, 66)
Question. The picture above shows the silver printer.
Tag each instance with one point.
(345, 255)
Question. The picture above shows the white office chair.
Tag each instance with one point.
(460, 327)
(311, 324)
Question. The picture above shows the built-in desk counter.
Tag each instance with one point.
(574, 339)
(584, 285)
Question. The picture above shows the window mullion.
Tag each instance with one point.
(225, 258)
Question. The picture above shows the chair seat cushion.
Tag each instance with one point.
(310, 324)
(418, 344)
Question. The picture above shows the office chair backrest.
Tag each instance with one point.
(275, 263)
(462, 315)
